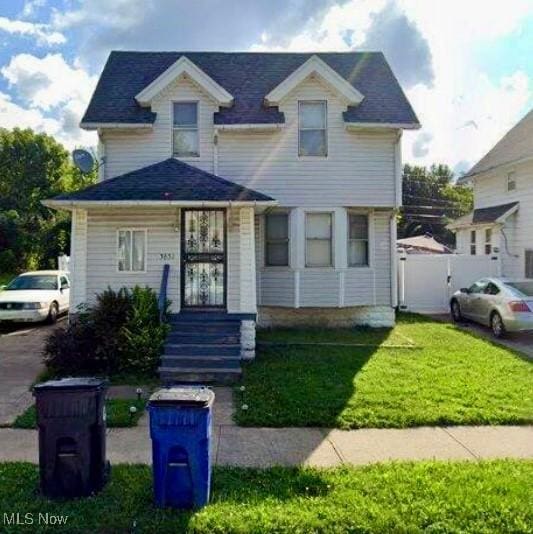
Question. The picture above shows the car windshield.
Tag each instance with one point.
(33, 282)
(523, 289)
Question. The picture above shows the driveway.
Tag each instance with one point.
(521, 342)
(20, 363)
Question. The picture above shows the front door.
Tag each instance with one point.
(203, 258)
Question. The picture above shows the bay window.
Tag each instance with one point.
(358, 240)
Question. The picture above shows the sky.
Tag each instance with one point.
(465, 65)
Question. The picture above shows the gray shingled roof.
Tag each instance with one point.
(166, 181)
(492, 214)
(515, 145)
(249, 77)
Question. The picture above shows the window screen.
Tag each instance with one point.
(277, 239)
(318, 231)
(312, 128)
(185, 129)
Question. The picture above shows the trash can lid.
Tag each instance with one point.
(183, 395)
(72, 383)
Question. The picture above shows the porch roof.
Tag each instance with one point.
(169, 181)
(485, 216)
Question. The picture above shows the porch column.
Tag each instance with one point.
(78, 259)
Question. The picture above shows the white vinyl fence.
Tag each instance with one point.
(427, 281)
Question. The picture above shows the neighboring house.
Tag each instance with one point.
(422, 244)
(268, 182)
(501, 224)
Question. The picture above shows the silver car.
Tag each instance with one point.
(503, 305)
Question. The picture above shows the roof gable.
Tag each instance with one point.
(184, 66)
(248, 77)
(516, 145)
(314, 66)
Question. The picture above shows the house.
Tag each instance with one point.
(501, 224)
(268, 182)
(422, 244)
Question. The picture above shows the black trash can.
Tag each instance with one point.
(72, 436)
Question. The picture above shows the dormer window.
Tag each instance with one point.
(312, 128)
(185, 130)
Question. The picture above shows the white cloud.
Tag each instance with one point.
(32, 6)
(41, 32)
(55, 92)
(461, 92)
(49, 81)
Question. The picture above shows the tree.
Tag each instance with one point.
(431, 199)
(33, 167)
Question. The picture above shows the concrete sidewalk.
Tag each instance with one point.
(265, 447)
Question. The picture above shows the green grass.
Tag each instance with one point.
(441, 497)
(451, 377)
(117, 411)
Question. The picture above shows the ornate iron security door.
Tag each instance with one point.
(203, 269)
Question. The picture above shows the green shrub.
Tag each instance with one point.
(121, 333)
(144, 333)
(8, 261)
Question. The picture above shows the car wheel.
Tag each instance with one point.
(456, 312)
(52, 313)
(497, 325)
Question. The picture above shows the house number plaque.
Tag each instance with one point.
(165, 256)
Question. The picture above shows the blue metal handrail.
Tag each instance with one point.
(162, 301)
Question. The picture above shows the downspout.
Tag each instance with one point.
(215, 151)
(393, 222)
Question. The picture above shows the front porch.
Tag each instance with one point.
(190, 236)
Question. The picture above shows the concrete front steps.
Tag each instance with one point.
(202, 347)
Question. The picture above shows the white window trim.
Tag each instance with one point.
(371, 233)
(264, 235)
(313, 101)
(172, 127)
(332, 251)
(131, 229)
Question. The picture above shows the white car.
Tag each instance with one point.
(35, 296)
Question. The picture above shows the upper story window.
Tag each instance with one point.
(131, 251)
(185, 130)
(511, 181)
(473, 242)
(277, 239)
(319, 240)
(357, 240)
(312, 128)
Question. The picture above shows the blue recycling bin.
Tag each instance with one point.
(180, 429)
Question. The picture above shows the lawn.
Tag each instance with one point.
(117, 412)
(465, 497)
(449, 377)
